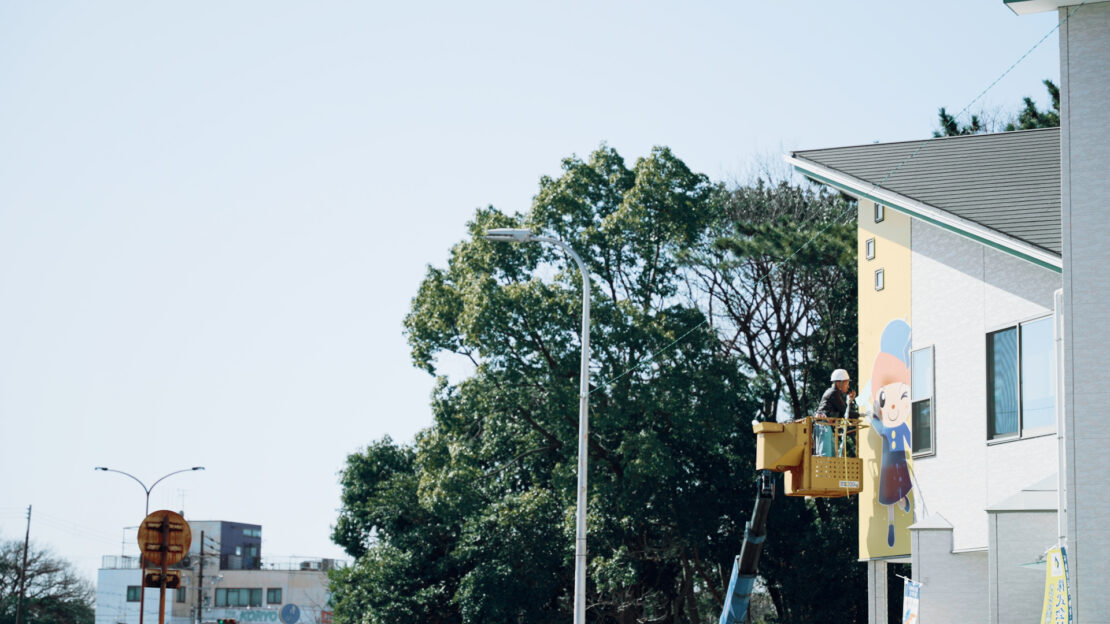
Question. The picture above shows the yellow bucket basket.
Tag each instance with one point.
(788, 448)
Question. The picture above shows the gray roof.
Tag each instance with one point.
(1008, 182)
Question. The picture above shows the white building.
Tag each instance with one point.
(228, 579)
(984, 295)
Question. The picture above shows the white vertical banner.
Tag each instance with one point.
(911, 593)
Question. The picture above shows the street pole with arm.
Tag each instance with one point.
(142, 565)
(523, 236)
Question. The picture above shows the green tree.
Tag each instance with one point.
(778, 274)
(475, 521)
(710, 307)
(54, 593)
(1028, 118)
(949, 126)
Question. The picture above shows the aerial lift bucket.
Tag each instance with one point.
(788, 448)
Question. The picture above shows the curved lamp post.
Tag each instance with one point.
(143, 485)
(142, 590)
(509, 235)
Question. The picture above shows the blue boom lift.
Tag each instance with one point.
(788, 448)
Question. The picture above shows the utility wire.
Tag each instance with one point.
(962, 111)
(706, 320)
(984, 91)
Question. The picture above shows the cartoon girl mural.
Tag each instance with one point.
(890, 416)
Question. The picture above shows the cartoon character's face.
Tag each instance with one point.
(894, 404)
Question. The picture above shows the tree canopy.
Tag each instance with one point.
(54, 593)
(1028, 118)
(778, 277)
(475, 520)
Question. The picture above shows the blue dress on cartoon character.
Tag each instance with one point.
(894, 473)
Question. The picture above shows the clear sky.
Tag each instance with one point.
(214, 215)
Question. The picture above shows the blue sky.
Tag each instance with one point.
(213, 216)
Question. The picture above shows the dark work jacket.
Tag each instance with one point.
(832, 403)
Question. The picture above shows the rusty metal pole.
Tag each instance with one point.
(142, 558)
(162, 580)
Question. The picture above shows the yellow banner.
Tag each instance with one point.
(1057, 599)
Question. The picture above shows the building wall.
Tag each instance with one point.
(961, 290)
(1085, 147)
(112, 606)
(1016, 539)
(233, 541)
(884, 322)
(953, 585)
(307, 589)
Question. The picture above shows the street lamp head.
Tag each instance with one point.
(198, 467)
(99, 468)
(509, 235)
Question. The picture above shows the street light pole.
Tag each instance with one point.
(142, 566)
(525, 236)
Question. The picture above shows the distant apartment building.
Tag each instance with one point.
(224, 577)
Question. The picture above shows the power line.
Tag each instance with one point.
(962, 111)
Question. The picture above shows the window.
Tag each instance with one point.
(880, 212)
(870, 246)
(133, 593)
(880, 280)
(252, 532)
(273, 595)
(1021, 380)
(921, 400)
(180, 593)
(239, 597)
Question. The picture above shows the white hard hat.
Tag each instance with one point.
(840, 375)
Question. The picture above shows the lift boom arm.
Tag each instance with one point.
(746, 566)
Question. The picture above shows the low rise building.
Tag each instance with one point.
(223, 577)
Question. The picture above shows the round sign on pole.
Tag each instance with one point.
(164, 537)
(290, 613)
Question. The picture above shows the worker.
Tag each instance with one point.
(834, 404)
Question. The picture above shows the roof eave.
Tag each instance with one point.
(1028, 7)
(866, 190)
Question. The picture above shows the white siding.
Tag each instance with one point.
(953, 586)
(961, 290)
(1085, 147)
(1017, 538)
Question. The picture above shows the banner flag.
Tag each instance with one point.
(1057, 594)
(911, 593)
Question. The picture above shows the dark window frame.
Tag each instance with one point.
(1021, 430)
(880, 212)
(134, 592)
(931, 448)
(239, 597)
(869, 249)
(273, 595)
